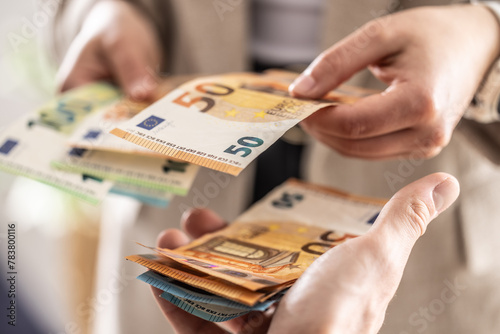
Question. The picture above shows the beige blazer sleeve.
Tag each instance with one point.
(481, 123)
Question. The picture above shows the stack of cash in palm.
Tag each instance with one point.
(250, 264)
(220, 122)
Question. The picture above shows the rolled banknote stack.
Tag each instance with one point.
(250, 264)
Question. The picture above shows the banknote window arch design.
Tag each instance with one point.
(265, 257)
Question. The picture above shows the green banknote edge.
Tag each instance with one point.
(117, 178)
(87, 198)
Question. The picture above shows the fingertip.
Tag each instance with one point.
(171, 239)
(445, 193)
(197, 222)
(138, 93)
(407, 215)
(303, 86)
(141, 84)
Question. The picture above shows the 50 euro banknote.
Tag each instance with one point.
(31, 143)
(149, 172)
(269, 246)
(96, 152)
(224, 122)
(93, 131)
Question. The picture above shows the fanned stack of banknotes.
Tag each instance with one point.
(249, 265)
(92, 140)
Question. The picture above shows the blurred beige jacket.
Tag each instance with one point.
(199, 37)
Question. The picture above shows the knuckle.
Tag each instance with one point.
(418, 214)
(436, 139)
(376, 30)
(425, 107)
(439, 138)
(431, 153)
(352, 128)
(327, 62)
(433, 143)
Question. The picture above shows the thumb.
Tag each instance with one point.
(367, 45)
(406, 216)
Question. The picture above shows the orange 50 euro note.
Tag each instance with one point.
(224, 122)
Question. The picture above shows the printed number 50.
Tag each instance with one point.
(246, 142)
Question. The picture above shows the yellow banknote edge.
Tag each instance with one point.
(191, 277)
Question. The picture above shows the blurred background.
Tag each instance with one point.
(62, 285)
(57, 236)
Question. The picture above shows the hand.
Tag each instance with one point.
(432, 58)
(348, 288)
(115, 42)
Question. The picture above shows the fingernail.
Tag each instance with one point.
(444, 194)
(303, 85)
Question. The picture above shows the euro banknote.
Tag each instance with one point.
(93, 131)
(143, 171)
(266, 249)
(92, 134)
(198, 279)
(153, 197)
(28, 146)
(222, 122)
(27, 149)
(204, 304)
(66, 112)
(37, 147)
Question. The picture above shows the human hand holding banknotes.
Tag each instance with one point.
(348, 288)
(432, 58)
